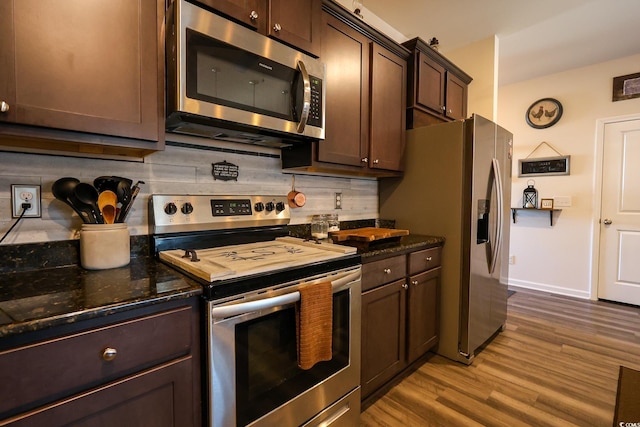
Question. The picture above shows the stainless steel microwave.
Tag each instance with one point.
(225, 81)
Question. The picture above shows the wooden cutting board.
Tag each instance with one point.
(367, 234)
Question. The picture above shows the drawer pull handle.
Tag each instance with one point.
(387, 271)
(428, 259)
(109, 354)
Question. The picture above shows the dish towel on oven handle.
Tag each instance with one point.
(314, 324)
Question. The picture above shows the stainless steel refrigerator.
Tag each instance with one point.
(457, 184)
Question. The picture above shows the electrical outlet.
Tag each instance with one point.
(26, 193)
(512, 259)
(338, 201)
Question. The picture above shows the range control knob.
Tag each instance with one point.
(259, 207)
(269, 206)
(170, 208)
(279, 206)
(187, 208)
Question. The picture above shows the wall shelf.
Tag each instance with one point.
(514, 212)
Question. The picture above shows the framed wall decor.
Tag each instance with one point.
(626, 87)
(544, 166)
(544, 113)
(546, 203)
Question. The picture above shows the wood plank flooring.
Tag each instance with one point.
(556, 364)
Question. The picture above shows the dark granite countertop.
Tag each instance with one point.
(43, 298)
(410, 243)
(52, 294)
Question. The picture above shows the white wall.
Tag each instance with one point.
(559, 258)
(479, 60)
(175, 170)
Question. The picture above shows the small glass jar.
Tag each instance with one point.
(319, 227)
(333, 222)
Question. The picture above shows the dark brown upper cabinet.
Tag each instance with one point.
(366, 102)
(296, 23)
(82, 79)
(437, 88)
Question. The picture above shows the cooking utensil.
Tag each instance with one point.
(107, 201)
(86, 197)
(124, 211)
(295, 198)
(62, 189)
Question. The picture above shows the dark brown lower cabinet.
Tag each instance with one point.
(423, 314)
(400, 318)
(383, 334)
(159, 397)
(138, 368)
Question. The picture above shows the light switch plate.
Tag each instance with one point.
(562, 201)
(25, 193)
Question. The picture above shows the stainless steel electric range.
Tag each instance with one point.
(251, 271)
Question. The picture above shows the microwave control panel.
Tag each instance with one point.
(315, 112)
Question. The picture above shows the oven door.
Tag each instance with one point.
(253, 370)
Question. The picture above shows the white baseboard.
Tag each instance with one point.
(545, 287)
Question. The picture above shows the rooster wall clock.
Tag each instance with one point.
(544, 113)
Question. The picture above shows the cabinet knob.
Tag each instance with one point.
(405, 286)
(443, 108)
(277, 27)
(450, 111)
(376, 161)
(4, 107)
(253, 15)
(365, 160)
(109, 354)
(428, 259)
(387, 271)
(414, 282)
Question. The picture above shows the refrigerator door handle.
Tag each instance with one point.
(499, 217)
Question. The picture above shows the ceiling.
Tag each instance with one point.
(535, 37)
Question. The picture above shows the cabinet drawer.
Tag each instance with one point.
(424, 260)
(384, 271)
(65, 365)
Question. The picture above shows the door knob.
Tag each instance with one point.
(607, 221)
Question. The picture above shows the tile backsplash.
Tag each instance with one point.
(183, 167)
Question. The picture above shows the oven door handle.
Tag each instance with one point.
(267, 303)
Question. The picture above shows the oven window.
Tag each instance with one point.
(226, 75)
(267, 372)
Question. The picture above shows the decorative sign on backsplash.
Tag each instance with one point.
(225, 171)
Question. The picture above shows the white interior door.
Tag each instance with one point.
(619, 266)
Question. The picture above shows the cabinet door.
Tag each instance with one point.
(430, 86)
(345, 53)
(456, 98)
(297, 23)
(159, 397)
(250, 12)
(95, 69)
(7, 62)
(388, 109)
(383, 335)
(422, 324)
